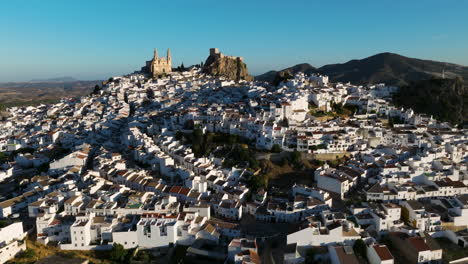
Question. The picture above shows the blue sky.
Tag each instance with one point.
(96, 39)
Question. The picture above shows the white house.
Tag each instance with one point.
(379, 254)
(11, 243)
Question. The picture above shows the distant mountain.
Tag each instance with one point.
(383, 67)
(59, 79)
(272, 76)
(392, 69)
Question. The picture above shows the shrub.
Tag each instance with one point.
(28, 253)
(359, 248)
(118, 253)
(276, 148)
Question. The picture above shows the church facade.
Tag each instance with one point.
(159, 65)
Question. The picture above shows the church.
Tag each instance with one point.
(159, 65)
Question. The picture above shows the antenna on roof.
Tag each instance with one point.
(443, 71)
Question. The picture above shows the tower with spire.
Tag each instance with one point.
(159, 65)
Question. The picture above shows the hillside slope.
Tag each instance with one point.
(383, 67)
(422, 87)
(392, 69)
(445, 99)
(271, 76)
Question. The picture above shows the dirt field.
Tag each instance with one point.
(41, 251)
(329, 156)
(26, 93)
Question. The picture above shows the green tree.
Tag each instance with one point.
(310, 256)
(276, 148)
(28, 253)
(197, 142)
(144, 257)
(360, 248)
(96, 89)
(296, 158)
(3, 223)
(256, 182)
(284, 162)
(179, 135)
(3, 157)
(118, 253)
(44, 167)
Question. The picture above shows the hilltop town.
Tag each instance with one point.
(168, 160)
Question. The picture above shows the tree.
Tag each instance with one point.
(296, 158)
(276, 148)
(96, 89)
(143, 256)
(179, 135)
(118, 253)
(182, 67)
(44, 167)
(284, 161)
(3, 157)
(257, 182)
(310, 256)
(360, 248)
(197, 142)
(28, 253)
(3, 223)
(318, 163)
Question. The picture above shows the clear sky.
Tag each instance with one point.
(96, 39)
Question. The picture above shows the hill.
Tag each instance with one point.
(275, 76)
(392, 69)
(422, 87)
(445, 99)
(383, 67)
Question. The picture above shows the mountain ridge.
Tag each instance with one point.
(391, 68)
(57, 79)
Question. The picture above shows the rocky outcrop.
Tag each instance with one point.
(233, 68)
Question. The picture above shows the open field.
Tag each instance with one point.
(36, 251)
(26, 93)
